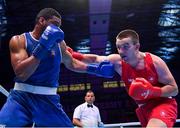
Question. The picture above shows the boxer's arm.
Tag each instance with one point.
(70, 62)
(141, 89)
(165, 77)
(86, 58)
(114, 59)
(93, 58)
(103, 69)
(23, 65)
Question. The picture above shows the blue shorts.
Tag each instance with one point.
(22, 109)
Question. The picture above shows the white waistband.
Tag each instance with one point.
(35, 89)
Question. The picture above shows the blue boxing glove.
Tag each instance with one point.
(51, 35)
(103, 69)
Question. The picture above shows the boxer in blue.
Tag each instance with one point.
(36, 57)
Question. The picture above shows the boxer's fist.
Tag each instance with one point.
(103, 69)
(141, 89)
(51, 35)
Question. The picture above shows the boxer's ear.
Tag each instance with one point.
(41, 20)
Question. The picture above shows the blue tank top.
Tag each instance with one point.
(47, 73)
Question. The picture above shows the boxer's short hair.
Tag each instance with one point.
(47, 13)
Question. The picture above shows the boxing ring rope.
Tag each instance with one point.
(120, 125)
(4, 91)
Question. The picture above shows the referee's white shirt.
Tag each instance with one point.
(89, 116)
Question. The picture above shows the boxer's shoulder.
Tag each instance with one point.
(17, 42)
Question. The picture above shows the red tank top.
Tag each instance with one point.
(149, 73)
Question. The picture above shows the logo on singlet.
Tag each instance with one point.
(130, 80)
(162, 113)
(151, 79)
(45, 35)
(53, 53)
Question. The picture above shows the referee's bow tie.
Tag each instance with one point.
(89, 105)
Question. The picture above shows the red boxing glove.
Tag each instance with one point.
(141, 89)
(75, 55)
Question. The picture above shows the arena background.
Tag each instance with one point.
(91, 26)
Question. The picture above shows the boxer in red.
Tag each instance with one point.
(147, 79)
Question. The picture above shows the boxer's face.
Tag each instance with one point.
(54, 20)
(126, 48)
(90, 98)
(43, 23)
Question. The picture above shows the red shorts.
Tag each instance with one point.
(164, 109)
